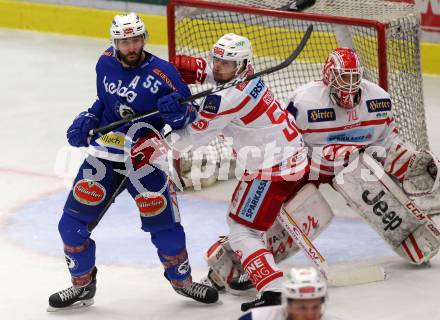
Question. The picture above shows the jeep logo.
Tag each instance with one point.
(390, 219)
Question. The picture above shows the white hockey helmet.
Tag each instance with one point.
(127, 26)
(303, 284)
(233, 47)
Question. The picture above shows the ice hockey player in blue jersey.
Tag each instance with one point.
(129, 81)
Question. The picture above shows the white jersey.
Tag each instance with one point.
(331, 133)
(273, 313)
(263, 134)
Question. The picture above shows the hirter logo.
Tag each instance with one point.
(89, 192)
(150, 205)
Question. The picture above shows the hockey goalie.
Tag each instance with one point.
(353, 144)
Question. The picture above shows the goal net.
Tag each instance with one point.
(384, 34)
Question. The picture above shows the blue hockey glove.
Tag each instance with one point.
(78, 132)
(174, 113)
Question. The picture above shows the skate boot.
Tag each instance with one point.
(267, 298)
(241, 283)
(199, 292)
(73, 298)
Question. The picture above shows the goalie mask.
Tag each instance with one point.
(343, 74)
(232, 47)
(127, 26)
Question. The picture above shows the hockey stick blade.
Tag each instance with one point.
(205, 93)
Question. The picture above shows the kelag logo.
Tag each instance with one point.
(356, 135)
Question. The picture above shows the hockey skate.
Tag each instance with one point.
(241, 285)
(72, 297)
(199, 292)
(267, 298)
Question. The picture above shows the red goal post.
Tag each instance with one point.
(385, 35)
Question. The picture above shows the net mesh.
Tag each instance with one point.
(274, 38)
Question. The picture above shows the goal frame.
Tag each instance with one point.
(380, 27)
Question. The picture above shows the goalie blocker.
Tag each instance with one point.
(390, 212)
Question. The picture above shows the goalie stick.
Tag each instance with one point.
(205, 93)
(338, 278)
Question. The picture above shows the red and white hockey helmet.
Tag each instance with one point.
(127, 26)
(303, 284)
(232, 47)
(343, 73)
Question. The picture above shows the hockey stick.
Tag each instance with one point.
(359, 275)
(205, 93)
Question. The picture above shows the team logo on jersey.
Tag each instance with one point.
(252, 204)
(89, 192)
(150, 204)
(212, 103)
(356, 135)
(123, 110)
(379, 105)
(321, 115)
(200, 125)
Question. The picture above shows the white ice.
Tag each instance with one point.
(46, 80)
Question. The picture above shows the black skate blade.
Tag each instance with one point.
(77, 305)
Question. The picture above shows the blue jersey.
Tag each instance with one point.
(126, 91)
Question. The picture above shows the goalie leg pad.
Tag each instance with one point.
(223, 262)
(385, 206)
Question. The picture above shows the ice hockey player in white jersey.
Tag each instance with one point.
(339, 117)
(304, 296)
(268, 146)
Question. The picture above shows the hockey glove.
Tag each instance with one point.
(173, 113)
(78, 132)
(191, 69)
(147, 150)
